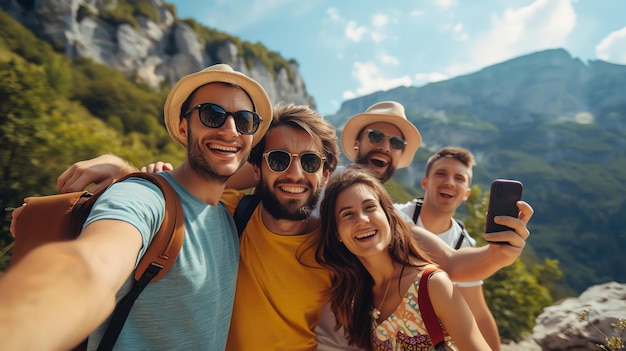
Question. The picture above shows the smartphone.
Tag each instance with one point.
(502, 202)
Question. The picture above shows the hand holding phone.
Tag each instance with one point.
(503, 200)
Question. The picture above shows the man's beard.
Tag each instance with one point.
(200, 164)
(364, 160)
(290, 210)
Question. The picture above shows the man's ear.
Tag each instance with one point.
(468, 191)
(424, 182)
(325, 176)
(257, 172)
(183, 127)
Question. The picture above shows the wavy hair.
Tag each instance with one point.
(351, 294)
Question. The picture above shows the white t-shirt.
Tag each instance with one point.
(450, 236)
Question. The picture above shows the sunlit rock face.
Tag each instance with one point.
(560, 327)
(153, 52)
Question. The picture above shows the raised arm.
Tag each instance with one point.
(471, 264)
(106, 169)
(243, 179)
(100, 171)
(59, 293)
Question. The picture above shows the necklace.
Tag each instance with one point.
(376, 311)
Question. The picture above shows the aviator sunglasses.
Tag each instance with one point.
(214, 116)
(280, 160)
(376, 136)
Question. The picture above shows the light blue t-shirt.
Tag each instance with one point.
(190, 308)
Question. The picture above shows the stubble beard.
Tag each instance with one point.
(199, 163)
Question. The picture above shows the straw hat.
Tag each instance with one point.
(216, 73)
(387, 112)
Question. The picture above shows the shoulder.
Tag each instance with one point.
(231, 198)
(439, 283)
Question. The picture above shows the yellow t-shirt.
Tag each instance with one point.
(278, 300)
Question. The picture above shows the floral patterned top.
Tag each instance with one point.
(404, 329)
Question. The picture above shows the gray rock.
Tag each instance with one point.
(559, 327)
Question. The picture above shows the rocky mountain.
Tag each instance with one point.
(551, 121)
(145, 40)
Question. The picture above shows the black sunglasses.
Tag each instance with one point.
(214, 116)
(280, 160)
(376, 136)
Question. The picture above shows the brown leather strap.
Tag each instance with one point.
(167, 242)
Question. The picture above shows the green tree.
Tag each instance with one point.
(40, 135)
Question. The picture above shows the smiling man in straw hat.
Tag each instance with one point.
(381, 138)
(218, 115)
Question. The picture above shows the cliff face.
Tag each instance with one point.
(152, 50)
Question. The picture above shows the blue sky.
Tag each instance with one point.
(352, 48)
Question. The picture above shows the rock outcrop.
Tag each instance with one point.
(559, 327)
(152, 50)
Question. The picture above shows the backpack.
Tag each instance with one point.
(60, 217)
(464, 234)
(244, 211)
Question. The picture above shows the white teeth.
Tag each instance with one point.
(365, 235)
(293, 189)
(223, 148)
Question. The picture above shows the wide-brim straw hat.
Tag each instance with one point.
(216, 73)
(387, 112)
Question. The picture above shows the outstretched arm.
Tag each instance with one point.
(59, 293)
(471, 264)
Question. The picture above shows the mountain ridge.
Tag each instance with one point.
(545, 118)
(550, 120)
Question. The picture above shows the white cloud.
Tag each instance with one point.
(459, 32)
(544, 24)
(379, 23)
(378, 37)
(388, 59)
(371, 79)
(613, 47)
(445, 4)
(380, 20)
(355, 32)
(333, 13)
(424, 78)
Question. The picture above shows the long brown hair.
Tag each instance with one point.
(351, 293)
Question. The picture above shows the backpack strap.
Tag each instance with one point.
(433, 326)
(157, 259)
(418, 208)
(463, 236)
(244, 210)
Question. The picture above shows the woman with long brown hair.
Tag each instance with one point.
(376, 270)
